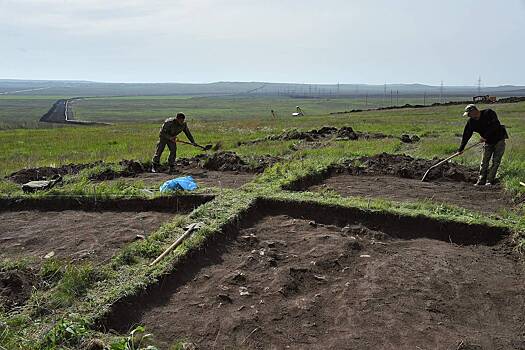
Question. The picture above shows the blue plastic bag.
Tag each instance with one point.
(185, 183)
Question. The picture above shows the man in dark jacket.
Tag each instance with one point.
(486, 124)
(168, 137)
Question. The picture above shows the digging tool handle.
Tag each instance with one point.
(449, 158)
(193, 144)
(175, 244)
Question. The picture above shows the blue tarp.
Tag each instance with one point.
(185, 183)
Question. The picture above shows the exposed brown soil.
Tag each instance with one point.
(461, 194)
(215, 162)
(220, 169)
(407, 167)
(203, 178)
(15, 287)
(45, 173)
(398, 177)
(72, 234)
(286, 282)
(170, 204)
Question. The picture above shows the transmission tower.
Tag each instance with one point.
(479, 85)
(441, 92)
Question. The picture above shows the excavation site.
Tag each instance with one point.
(83, 229)
(77, 231)
(302, 275)
(398, 178)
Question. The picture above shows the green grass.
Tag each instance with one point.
(64, 307)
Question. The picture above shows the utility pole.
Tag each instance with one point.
(366, 101)
(397, 97)
(441, 93)
(425, 98)
(384, 96)
(391, 102)
(479, 85)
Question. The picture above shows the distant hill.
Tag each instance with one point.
(89, 88)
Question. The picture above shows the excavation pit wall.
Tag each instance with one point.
(76, 230)
(291, 274)
(401, 182)
(176, 203)
(83, 229)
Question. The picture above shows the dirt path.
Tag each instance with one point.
(291, 284)
(73, 234)
(462, 194)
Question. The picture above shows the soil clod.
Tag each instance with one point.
(15, 287)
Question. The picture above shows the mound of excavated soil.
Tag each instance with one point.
(219, 161)
(293, 284)
(344, 133)
(407, 167)
(215, 162)
(15, 288)
(230, 161)
(45, 173)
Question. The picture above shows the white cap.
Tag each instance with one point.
(469, 108)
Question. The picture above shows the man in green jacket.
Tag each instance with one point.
(168, 137)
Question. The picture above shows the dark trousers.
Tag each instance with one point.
(160, 148)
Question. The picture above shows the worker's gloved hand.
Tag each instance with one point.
(460, 152)
(481, 139)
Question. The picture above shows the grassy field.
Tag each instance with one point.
(24, 111)
(118, 109)
(61, 315)
(132, 138)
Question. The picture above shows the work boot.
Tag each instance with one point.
(173, 170)
(480, 182)
(155, 168)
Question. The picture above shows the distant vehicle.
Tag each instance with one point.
(484, 99)
(298, 113)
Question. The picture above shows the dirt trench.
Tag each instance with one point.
(305, 276)
(75, 230)
(78, 229)
(398, 178)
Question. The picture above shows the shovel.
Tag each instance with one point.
(204, 148)
(449, 158)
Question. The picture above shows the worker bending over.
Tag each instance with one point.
(168, 137)
(493, 134)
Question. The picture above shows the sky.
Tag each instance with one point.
(300, 41)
